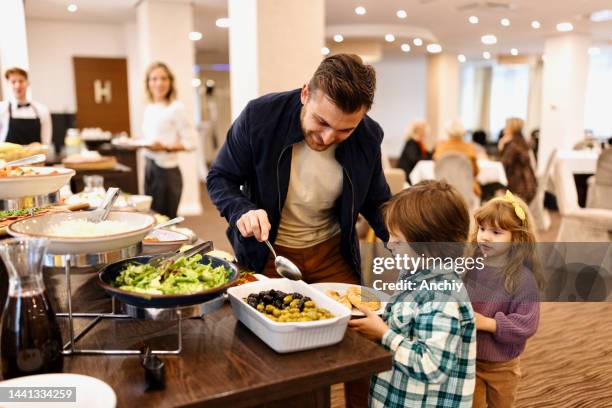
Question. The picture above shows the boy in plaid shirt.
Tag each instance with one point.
(431, 333)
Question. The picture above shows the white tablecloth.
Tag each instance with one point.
(568, 163)
(489, 172)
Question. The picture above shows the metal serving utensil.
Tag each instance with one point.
(285, 267)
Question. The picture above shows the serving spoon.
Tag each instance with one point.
(37, 158)
(284, 267)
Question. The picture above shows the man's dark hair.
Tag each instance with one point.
(15, 71)
(346, 80)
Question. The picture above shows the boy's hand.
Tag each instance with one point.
(371, 326)
(484, 323)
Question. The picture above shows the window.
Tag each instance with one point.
(599, 92)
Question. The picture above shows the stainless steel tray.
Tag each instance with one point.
(92, 260)
(30, 202)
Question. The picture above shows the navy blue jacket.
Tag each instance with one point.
(257, 156)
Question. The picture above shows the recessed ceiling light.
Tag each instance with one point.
(389, 38)
(601, 15)
(488, 39)
(72, 7)
(505, 22)
(195, 36)
(594, 51)
(417, 41)
(405, 47)
(195, 82)
(461, 58)
(434, 48)
(338, 38)
(222, 22)
(325, 51)
(210, 83)
(473, 20)
(514, 51)
(486, 55)
(360, 11)
(401, 14)
(565, 27)
(535, 24)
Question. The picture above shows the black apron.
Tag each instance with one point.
(23, 131)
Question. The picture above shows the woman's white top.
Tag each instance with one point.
(167, 124)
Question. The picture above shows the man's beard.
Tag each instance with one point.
(309, 136)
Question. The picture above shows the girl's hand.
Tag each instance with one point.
(371, 326)
(484, 323)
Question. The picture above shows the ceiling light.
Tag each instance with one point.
(418, 42)
(535, 24)
(338, 38)
(505, 22)
(461, 58)
(565, 27)
(210, 83)
(473, 20)
(195, 36)
(72, 8)
(434, 48)
(405, 47)
(389, 38)
(488, 39)
(401, 14)
(594, 51)
(514, 52)
(325, 51)
(360, 11)
(601, 15)
(222, 22)
(195, 82)
(486, 55)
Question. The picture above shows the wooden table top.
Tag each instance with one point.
(222, 364)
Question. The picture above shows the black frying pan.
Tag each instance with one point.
(108, 274)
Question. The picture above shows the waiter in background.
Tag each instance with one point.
(22, 121)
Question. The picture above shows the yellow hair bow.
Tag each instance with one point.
(518, 210)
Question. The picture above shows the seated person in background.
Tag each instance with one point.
(456, 144)
(414, 149)
(479, 141)
(514, 155)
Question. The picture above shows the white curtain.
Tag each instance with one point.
(597, 111)
(509, 95)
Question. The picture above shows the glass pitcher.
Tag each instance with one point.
(30, 338)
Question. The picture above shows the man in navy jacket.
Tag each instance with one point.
(298, 167)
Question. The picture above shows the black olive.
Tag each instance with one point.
(278, 303)
(252, 296)
(297, 296)
(306, 299)
(267, 300)
(253, 302)
(280, 295)
(300, 304)
(262, 294)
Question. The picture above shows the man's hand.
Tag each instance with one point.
(371, 326)
(254, 223)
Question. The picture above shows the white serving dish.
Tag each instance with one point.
(90, 391)
(140, 225)
(169, 241)
(42, 183)
(141, 202)
(294, 336)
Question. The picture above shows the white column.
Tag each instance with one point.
(163, 28)
(566, 64)
(442, 94)
(275, 45)
(13, 40)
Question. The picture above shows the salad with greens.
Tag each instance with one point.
(183, 276)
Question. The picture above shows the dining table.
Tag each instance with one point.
(568, 165)
(490, 171)
(221, 364)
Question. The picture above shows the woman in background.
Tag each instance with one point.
(414, 149)
(514, 153)
(168, 130)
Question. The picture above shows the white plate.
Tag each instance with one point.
(341, 288)
(169, 241)
(90, 391)
(140, 225)
(42, 183)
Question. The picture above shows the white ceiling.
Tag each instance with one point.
(446, 20)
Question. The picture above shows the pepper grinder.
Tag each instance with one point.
(155, 374)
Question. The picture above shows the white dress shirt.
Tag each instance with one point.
(30, 112)
(168, 124)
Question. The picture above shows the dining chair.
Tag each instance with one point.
(540, 214)
(599, 194)
(456, 170)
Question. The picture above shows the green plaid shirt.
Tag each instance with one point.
(432, 335)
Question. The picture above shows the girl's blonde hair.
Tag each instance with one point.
(171, 95)
(510, 213)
